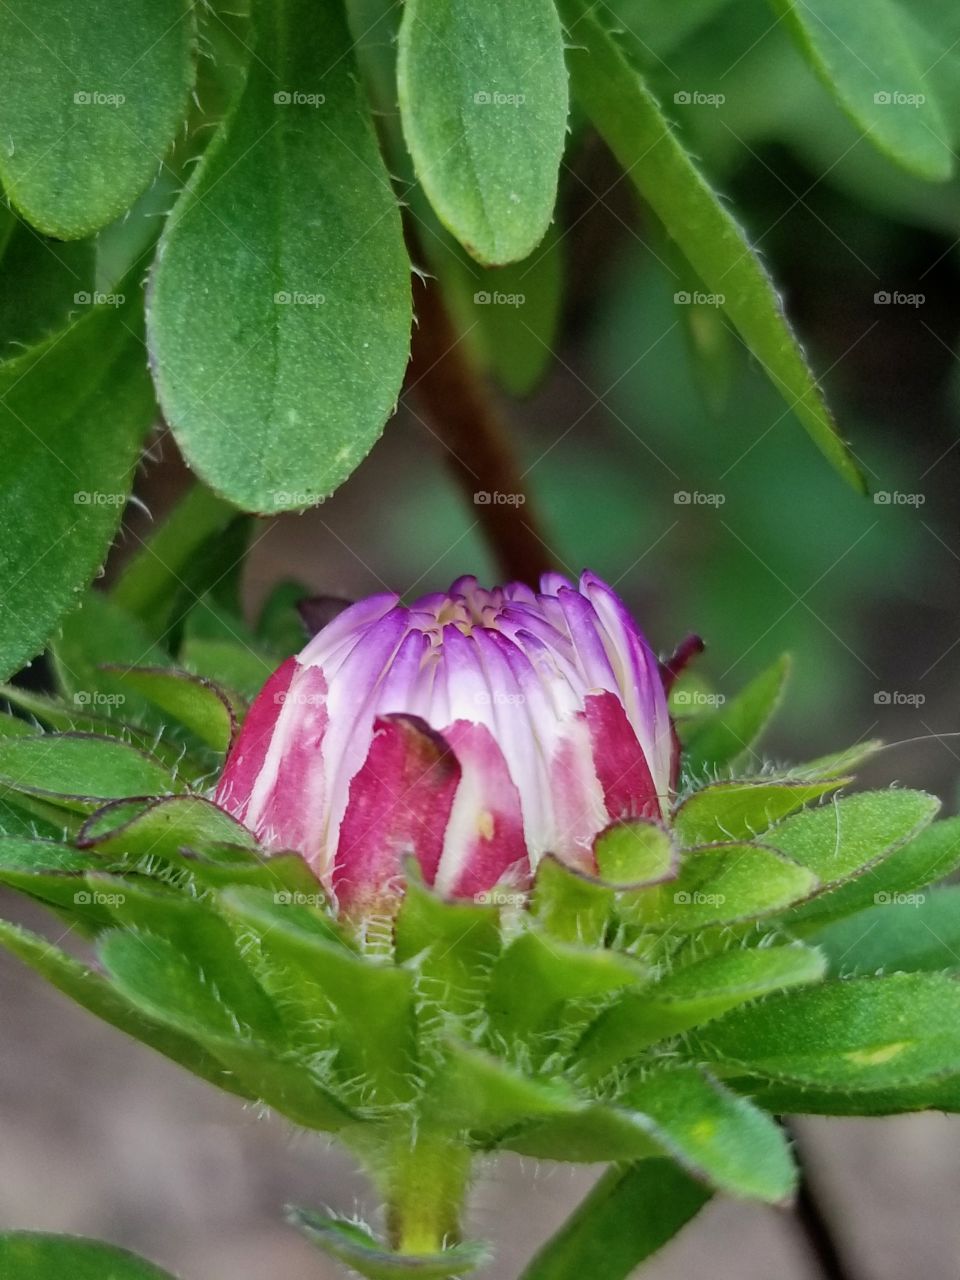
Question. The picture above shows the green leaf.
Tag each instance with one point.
(481, 1093)
(98, 997)
(720, 738)
(41, 282)
(628, 117)
(302, 313)
(864, 1033)
(360, 1251)
(151, 579)
(95, 95)
(358, 1009)
(793, 1099)
(450, 946)
(542, 991)
(631, 1213)
(30, 1256)
(868, 61)
(50, 872)
(198, 704)
(279, 625)
(483, 101)
(569, 905)
(931, 856)
(691, 996)
(845, 838)
(156, 975)
(160, 828)
(635, 852)
(719, 885)
(680, 1112)
(910, 931)
(223, 993)
(80, 770)
(742, 809)
(65, 486)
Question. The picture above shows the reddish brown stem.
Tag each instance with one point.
(458, 409)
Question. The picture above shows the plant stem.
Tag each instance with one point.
(459, 409)
(427, 1187)
(423, 1178)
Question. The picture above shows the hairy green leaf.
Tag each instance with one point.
(30, 1256)
(73, 413)
(483, 100)
(95, 93)
(280, 306)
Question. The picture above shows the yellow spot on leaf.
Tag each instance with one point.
(874, 1057)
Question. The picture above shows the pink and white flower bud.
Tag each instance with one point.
(476, 730)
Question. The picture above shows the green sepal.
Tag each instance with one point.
(690, 996)
(930, 856)
(542, 992)
(840, 840)
(635, 852)
(205, 708)
(717, 740)
(449, 946)
(746, 808)
(160, 828)
(359, 1011)
(719, 885)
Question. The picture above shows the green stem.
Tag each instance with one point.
(423, 1178)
